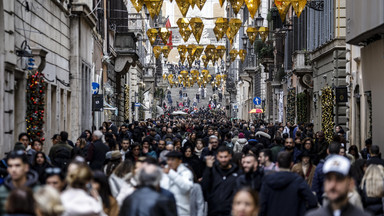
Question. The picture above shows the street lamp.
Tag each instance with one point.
(259, 21)
(244, 38)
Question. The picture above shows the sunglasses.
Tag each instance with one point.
(53, 170)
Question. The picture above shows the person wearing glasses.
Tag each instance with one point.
(212, 147)
(19, 175)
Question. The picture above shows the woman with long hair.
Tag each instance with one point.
(100, 183)
(80, 198)
(20, 202)
(120, 176)
(372, 187)
(193, 161)
(81, 147)
(40, 163)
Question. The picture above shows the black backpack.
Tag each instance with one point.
(62, 158)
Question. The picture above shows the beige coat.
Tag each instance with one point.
(297, 168)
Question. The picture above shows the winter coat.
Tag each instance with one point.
(298, 168)
(348, 210)
(146, 201)
(318, 181)
(218, 189)
(180, 183)
(197, 200)
(285, 193)
(252, 180)
(96, 155)
(240, 143)
(373, 205)
(79, 202)
(116, 184)
(295, 155)
(264, 138)
(5, 189)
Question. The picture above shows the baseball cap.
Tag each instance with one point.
(337, 164)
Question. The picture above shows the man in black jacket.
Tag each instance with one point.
(96, 151)
(285, 193)
(147, 200)
(218, 181)
(252, 176)
(375, 156)
(337, 185)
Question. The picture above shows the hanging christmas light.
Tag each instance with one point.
(205, 61)
(242, 54)
(233, 54)
(234, 27)
(221, 26)
(185, 33)
(157, 51)
(200, 3)
(210, 51)
(263, 31)
(165, 50)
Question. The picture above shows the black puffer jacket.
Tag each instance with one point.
(218, 189)
(252, 180)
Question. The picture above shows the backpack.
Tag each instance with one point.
(62, 158)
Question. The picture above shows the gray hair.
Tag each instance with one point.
(213, 137)
(149, 176)
(98, 134)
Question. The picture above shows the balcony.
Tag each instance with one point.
(301, 65)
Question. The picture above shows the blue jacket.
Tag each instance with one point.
(318, 181)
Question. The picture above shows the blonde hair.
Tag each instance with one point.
(79, 176)
(48, 201)
(373, 181)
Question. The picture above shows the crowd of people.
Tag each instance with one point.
(202, 164)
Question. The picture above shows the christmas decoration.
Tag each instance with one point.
(242, 54)
(137, 4)
(298, 6)
(127, 102)
(327, 104)
(252, 6)
(236, 5)
(252, 34)
(282, 7)
(35, 103)
(197, 26)
(154, 7)
(291, 105)
(302, 107)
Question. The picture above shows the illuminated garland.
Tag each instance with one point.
(369, 100)
(327, 104)
(291, 105)
(302, 107)
(127, 102)
(35, 105)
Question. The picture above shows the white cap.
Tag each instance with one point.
(337, 164)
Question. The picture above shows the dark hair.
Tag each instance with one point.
(267, 153)
(224, 149)
(134, 145)
(18, 155)
(37, 140)
(53, 171)
(357, 170)
(150, 160)
(375, 150)
(123, 168)
(284, 159)
(23, 134)
(334, 148)
(368, 141)
(40, 153)
(63, 136)
(104, 189)
(354, 148)
(20, 201)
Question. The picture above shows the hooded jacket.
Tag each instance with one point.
(240, 143)
(5, 189)
(218, 189)
(285, 193)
